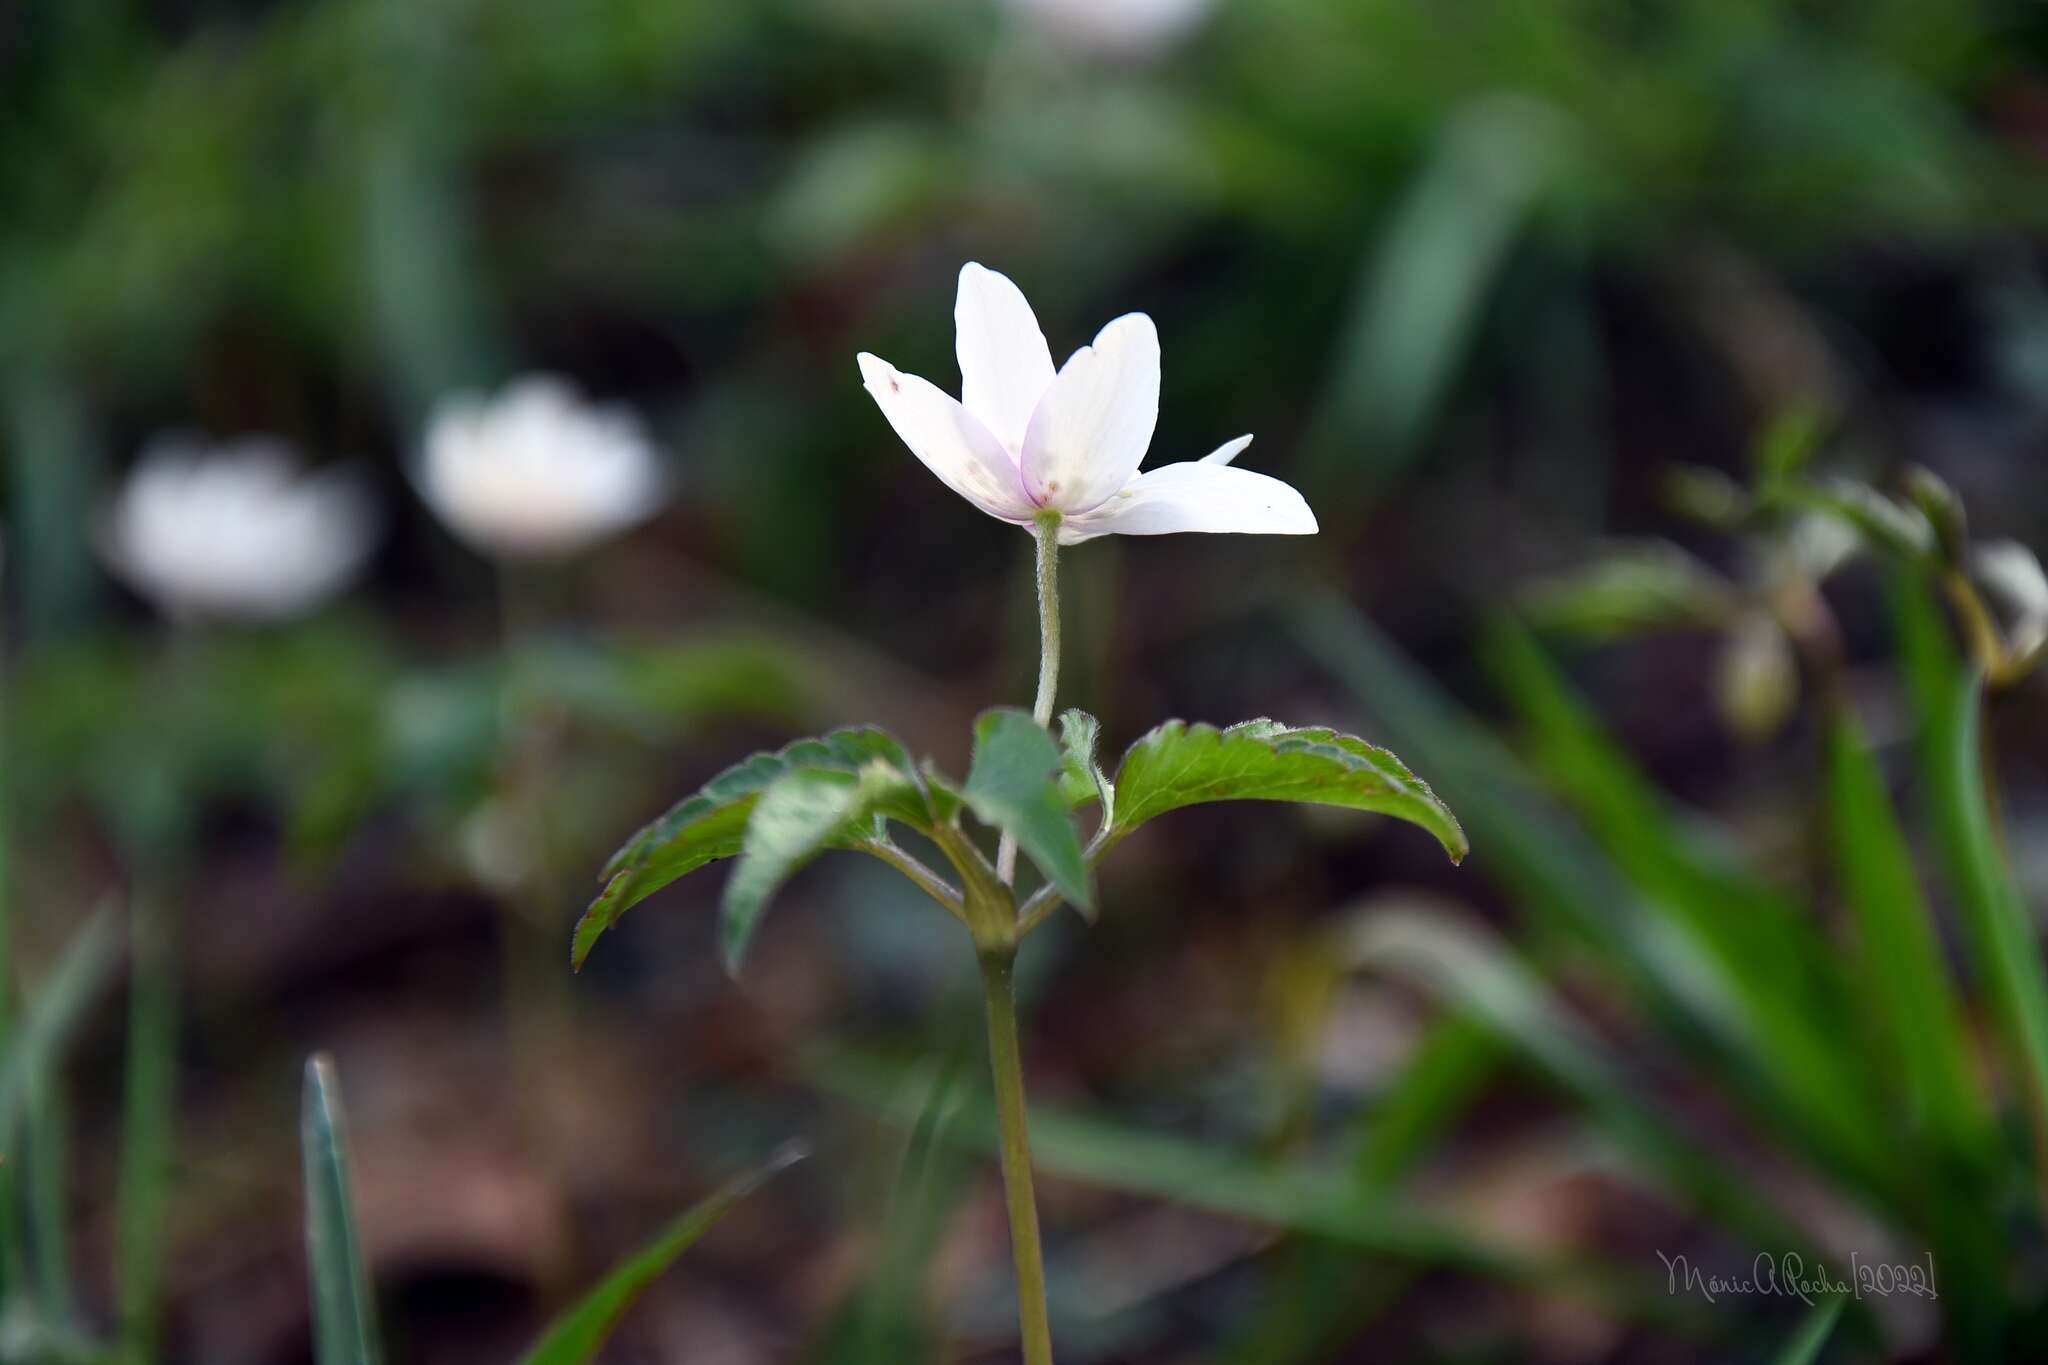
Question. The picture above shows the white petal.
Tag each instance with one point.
(952, 444)
(2010, 569)
(1227, 452)
(1196, 496)
(1093, 426)
(1005, 365)
(536, 472)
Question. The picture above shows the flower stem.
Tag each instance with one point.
(1006, 1067)
(1046, 533)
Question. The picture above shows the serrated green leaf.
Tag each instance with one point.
(1081, 777)
(578, 1334)
(711, 823)
(1014, 785)
(802, 813)
(1179, 764)
(344, 1317)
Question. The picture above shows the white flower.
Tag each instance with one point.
(1114, 28)
(240, 532)
(1023, 440)
(2010, 570)
(536, 472)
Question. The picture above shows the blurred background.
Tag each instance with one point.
(1543, 306)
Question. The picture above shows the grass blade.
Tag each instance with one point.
(1529, 847)
(1469, 970)
(1784, 988)
(1920, 1050)
(27, 1074)
(1326, 1295)
(1899, 967)
(1537, 854)
(1114, 1155)
(47, 1179)
(578, 1334)
(886, 1316)
(344, 1317)
(87, 965)
(1812, 1337)
(1446, 1075)
(1948, 700)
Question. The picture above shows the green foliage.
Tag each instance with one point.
(344, 1315)
(1014, 785)
(1918, 1017)
(1482, 980)
(1897, 528)
(1104, 1151)
(1178, 764)
(55, 1013)
(799, 814)
(1628, 590)
(1789, 443)
(580, 1331)
(778, 810)
(1857, 1056)
(2004, 946)
(711, 823)
(1812, 1337)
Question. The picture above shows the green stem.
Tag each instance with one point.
(540, 1014)
(1046, 533)
(1006, 1067)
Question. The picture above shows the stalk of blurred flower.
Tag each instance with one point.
(1121, 29)
(239, 533)
(1057, 452)
(530, 478)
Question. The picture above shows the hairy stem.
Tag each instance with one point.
(1006, 1067)
(1046, 532)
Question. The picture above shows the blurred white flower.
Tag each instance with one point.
(238, 532)
(1113, 28)
(1819, 544)
(1022, 439)
(536, 472)
(2010, 570)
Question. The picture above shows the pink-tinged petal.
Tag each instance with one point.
(1005, 365)
(943, 434)
(1093, 426)
(1227, 452)
(1196, 496)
